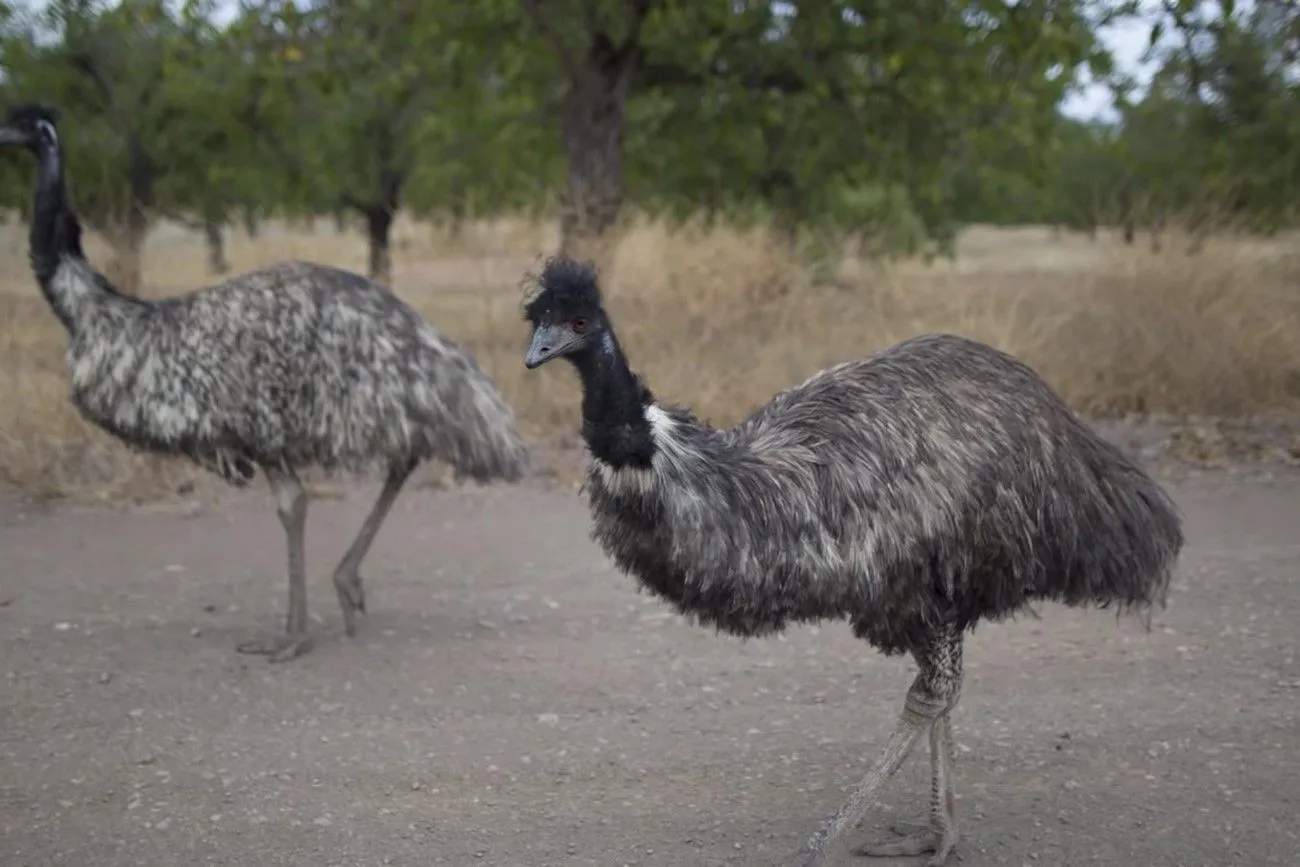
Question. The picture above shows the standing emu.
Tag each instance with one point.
(914, 492)
(288, 367)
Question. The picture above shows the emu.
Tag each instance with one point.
(293, 366)
(914, 492)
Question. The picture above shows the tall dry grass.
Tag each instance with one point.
(721, 319)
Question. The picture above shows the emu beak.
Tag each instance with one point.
(548, 342)
(11, 136)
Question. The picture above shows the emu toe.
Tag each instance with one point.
(922, 842)
(278, 648)
(352, 600)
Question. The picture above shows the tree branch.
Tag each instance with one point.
(84, 62)
(1195, 74)
(669, 75)
(640, 10)
(566, 57)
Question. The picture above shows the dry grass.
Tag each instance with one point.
(722, 319)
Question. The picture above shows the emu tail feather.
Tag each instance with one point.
(480, 436)
(1127, 535)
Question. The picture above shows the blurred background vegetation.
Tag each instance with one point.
(892, 122)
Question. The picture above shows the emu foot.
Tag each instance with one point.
(929, 840)
(278, 648)
(909, 827)
(352, 599)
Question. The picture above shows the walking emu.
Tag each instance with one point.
(287, 367)
(913, 492)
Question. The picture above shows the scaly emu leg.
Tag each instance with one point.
(291, 504)
(940, 776)
(352, 597)
(932, 695)
(939, 835)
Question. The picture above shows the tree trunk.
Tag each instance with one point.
(215, 239)
(1127, 215)
(379, 226)
(379, 214)
(127, 237)
(251, 224)
(126, 267)
(340, 220)
(593, 114)
(784, 232)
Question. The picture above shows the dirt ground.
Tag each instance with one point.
(512, 700)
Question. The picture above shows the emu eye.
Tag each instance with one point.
(579, 325)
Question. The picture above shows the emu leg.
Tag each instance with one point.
(941, 670)
(352, 597)
(291, 504)
(939, 835)
(932, 694)
(910, 827)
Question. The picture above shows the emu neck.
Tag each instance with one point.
(58, 262)
(614, 402)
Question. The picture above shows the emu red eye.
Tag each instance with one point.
(579, 325)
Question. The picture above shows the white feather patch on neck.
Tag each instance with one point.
(662, 426)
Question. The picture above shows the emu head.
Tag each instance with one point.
(566, 313)
(30, 126)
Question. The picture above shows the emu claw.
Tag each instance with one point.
(910, 827)
(277, 648)
(909, 845)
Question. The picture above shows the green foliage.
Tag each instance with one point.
(793, 105)
(1214, 142)
(876, 121)
(148, 93)
(388, 94)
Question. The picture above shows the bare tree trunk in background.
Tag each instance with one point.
(1157, 231)
(784, 232)
(214, 237)
(127, 237)
(379, 225)
(252, 225)
(780, 189)
(598, 70)
(340, 220)
(125, 268)
(1127, 217)
(592, 119)
(380, 214)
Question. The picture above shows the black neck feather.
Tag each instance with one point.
(55, 232)
(614, 400)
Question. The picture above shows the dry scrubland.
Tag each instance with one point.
(721, 319)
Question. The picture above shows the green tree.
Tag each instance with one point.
(397, 102)
(715, 104)
(1216, 138)
(145, 94)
